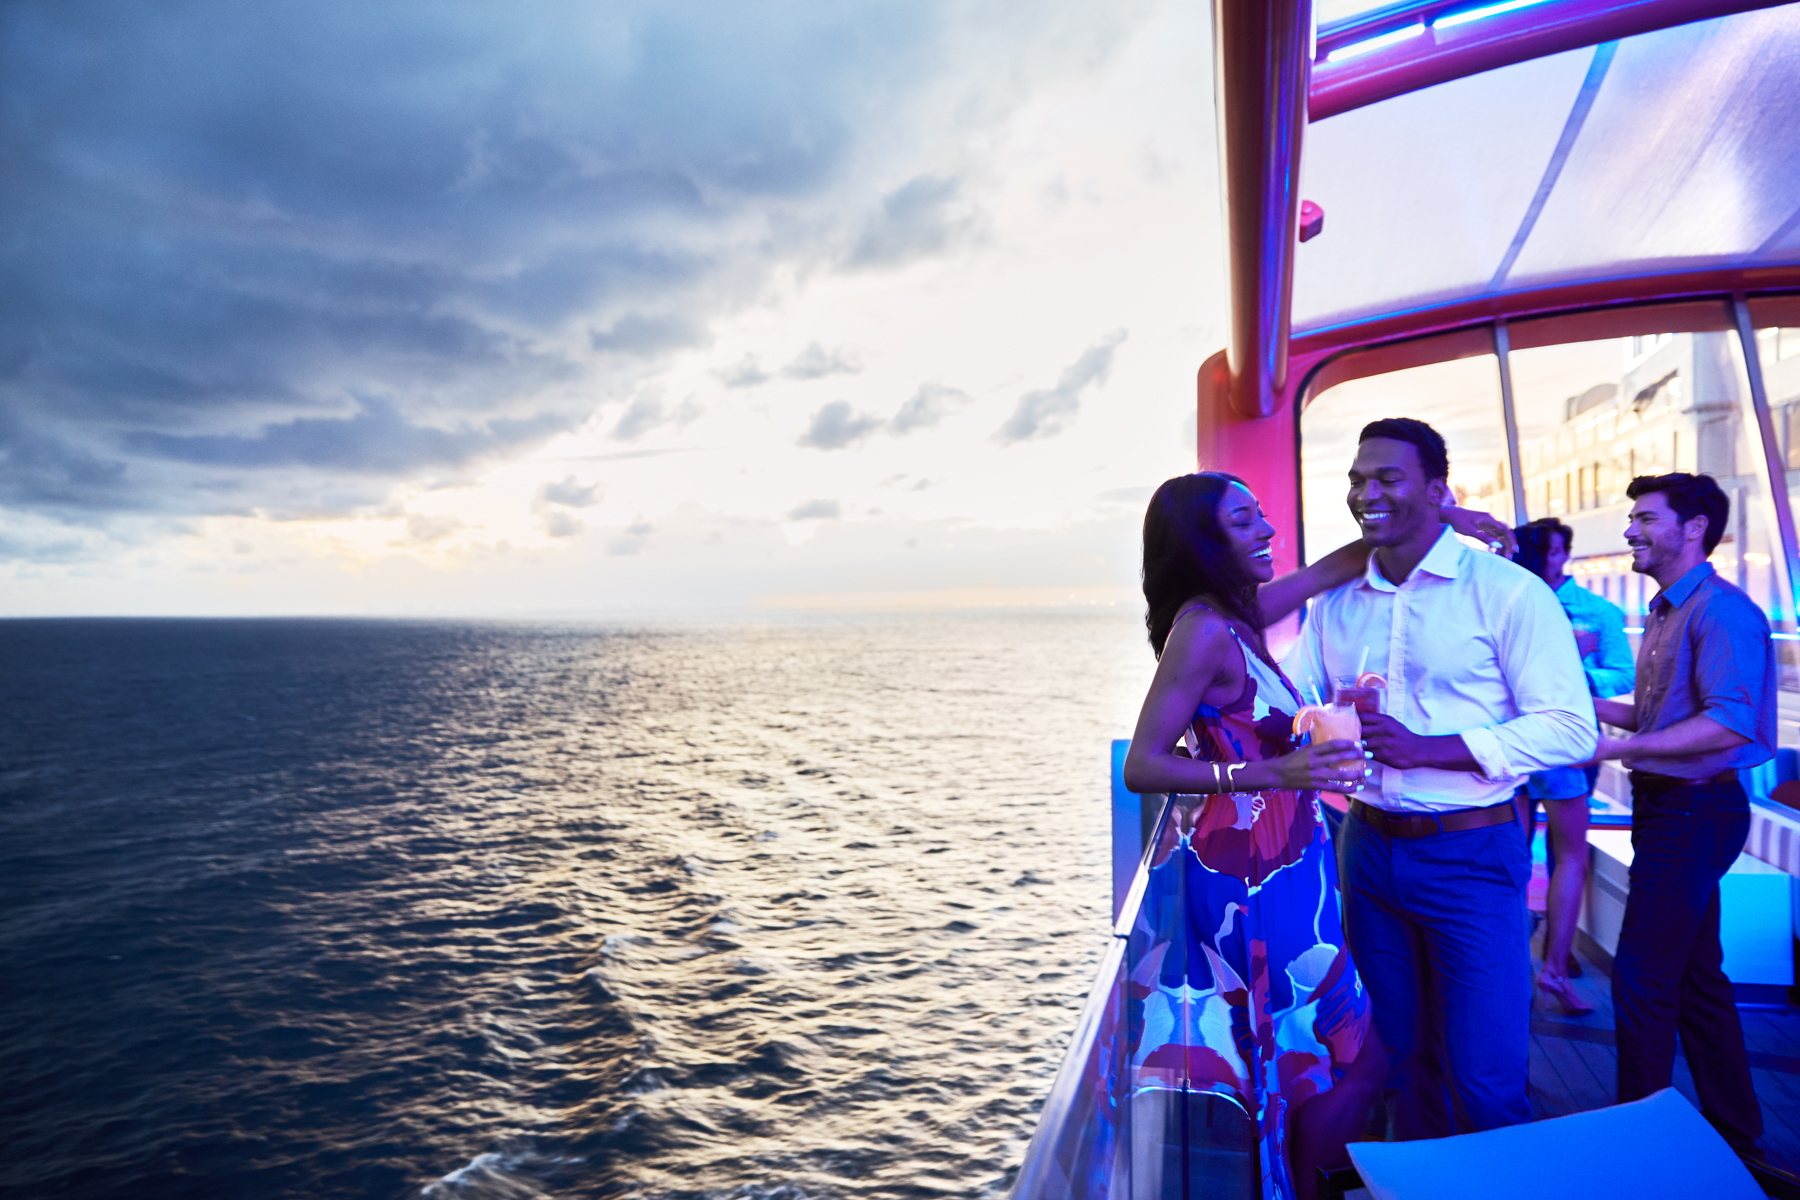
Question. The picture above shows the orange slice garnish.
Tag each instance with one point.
(1304, 719)
(1370, 679)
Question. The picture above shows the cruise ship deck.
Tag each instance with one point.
(1573, 1063)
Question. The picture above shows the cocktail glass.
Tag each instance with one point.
(1365, 696)
(1336, 722)
(1339, 721)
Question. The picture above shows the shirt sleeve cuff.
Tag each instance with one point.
(1738, 718)
(1488, 753)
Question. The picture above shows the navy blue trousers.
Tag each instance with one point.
(1437, 926)
(1668, 977)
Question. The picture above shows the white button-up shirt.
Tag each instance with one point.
(1470, 644)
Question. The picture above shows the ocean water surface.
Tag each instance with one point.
(783, 909)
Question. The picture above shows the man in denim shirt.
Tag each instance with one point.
(1703, 709)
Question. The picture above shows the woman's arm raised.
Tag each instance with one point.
(1279, 597)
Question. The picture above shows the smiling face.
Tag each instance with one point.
(1662, 545)
(1247, 533)
(1390, 497)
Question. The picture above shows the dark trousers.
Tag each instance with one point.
(1437, 927)
(1667, 977)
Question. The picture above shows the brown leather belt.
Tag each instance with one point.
(1649, 779)
(1418, 825)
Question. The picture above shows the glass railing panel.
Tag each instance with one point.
(1124, 1119)
(1184, 1123)
(1190, 1145)
(1075, 1151)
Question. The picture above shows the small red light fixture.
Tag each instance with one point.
(1312, 220)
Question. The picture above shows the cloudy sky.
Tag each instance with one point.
(556, 308)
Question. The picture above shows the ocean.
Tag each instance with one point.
(779, 909)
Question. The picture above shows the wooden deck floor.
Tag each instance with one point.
(1573, 1064)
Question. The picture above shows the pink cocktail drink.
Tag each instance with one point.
(1363, 699)
(1367, 691)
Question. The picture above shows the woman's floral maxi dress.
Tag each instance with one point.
(1266, 1003)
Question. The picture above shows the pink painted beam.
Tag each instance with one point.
(1434, 43)
(1261, 52)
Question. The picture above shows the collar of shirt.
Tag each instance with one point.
(1444, 560)
(1677, 593)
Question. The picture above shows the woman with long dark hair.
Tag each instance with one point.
(1273, 1008)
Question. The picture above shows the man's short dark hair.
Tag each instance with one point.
(1433, 455)
(1556, 527)
(1690, 496)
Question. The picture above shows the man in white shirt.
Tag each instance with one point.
(1484, 686)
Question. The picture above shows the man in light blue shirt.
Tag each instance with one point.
(1599, 623)
(1599, 628)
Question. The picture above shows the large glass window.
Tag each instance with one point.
(1648, 398)
(1593, 415)
(1778, 351)
(1461, 400)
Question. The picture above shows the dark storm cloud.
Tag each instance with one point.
(39, 470)
(377, 439)
(228, 217)
(1046, 413)
(647, 337)
(229, 223)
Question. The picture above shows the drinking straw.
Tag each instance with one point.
(1361, 663)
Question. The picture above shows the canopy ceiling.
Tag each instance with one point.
(1671, 151)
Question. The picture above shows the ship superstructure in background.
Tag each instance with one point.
(1565, 232)
(1639, 406)
(1676, 405)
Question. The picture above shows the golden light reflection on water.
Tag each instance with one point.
(797, 908)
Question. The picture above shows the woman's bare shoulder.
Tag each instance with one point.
(1198, 632)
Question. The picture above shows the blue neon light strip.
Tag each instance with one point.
(1391, 38)
(1475, 14)
(1394, 37)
